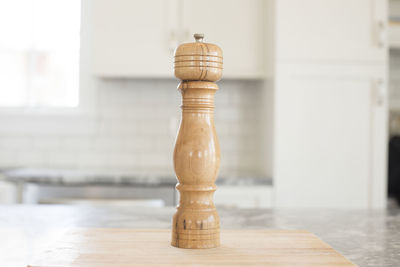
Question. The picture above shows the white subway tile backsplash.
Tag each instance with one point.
(16, 142)
(118, 127)
(61, 159)
(111, 113)
(154, 127)
(106, 144)
(122, 161)
(30, 158)
(133, 127)
(138, 143)
(46, 125)
(92, 160)
(151, 158)
(8, 158)
(132, 144)
(42, 143)
(76, 143)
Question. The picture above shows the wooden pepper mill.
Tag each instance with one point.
(197, 155)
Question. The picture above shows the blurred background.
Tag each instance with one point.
(308, 111)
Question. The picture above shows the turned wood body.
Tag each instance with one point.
(196, 155)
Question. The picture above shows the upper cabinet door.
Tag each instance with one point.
(331, 30)
(133, 38)
(330, 136)
(237, 26)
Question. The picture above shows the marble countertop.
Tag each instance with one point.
(88, 177)
(367, 238)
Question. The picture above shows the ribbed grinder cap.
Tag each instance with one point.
(198, 61)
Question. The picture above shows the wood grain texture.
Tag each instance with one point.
(198, 62)
(128, 247)
(197, 155)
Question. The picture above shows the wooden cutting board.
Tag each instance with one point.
(129, 247)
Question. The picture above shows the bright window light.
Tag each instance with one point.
(39, 53)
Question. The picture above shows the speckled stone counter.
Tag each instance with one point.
(42, 185)
(107, 178)
(368, 238)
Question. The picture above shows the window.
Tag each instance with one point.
(39, 53)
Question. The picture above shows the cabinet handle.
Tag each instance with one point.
(378, 94)
(172, 42)
(380, 34)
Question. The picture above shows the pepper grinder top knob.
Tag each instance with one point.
(198, 61)
(198, 37)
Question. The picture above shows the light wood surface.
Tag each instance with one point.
(128, 247)
(197, 156)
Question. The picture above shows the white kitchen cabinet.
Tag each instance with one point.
(331, 30)
(330, 117)
(330, 136)
(133, 38)
(136, 38)
(237, 26)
